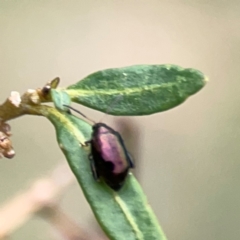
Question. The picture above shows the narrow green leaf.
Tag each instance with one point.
(122, 215)
(144, 89)
(60, 97)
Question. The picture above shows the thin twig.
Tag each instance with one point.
(17, 211)
(63, 225)
(16, 105)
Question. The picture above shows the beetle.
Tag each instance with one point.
(109, 158)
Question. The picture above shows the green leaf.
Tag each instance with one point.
(144, 89)
(122, 215)
(60, 97)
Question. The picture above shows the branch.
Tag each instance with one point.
(42, 193)
(16, 105)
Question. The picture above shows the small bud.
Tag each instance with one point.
(45, 90)
(9, 154)
(6, 148)
(15, 98)
(4, 127)
(33, 96)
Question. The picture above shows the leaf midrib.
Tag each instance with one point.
(130, 219)
(93, 91)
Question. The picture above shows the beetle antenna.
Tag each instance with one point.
(77, 111)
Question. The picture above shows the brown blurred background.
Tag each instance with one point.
(188, 157)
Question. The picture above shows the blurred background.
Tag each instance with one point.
(187, 158)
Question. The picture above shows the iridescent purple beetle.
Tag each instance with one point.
(109, 157)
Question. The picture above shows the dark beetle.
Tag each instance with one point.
(109, 157)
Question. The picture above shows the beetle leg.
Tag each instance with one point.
(130, 160)
(93, 168)
(88, 142)
(83, 144)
